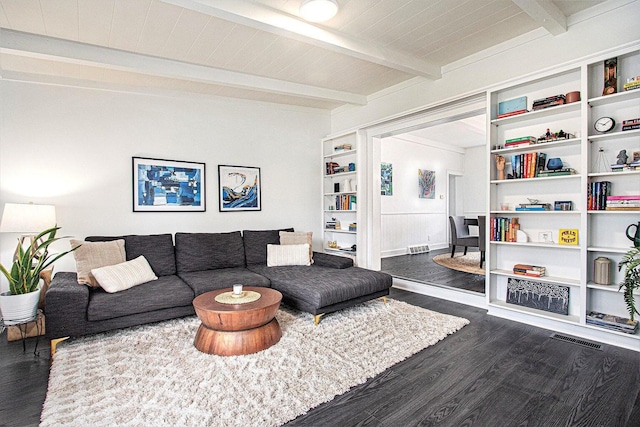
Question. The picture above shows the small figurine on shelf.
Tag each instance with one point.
(622, 157)
(500, 163)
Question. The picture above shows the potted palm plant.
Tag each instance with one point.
(20, 303)
(631, 264)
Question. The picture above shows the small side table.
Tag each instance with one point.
(22, 327)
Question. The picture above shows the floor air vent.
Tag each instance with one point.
(418, 249)
(577, 341)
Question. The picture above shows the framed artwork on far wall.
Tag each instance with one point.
(161, 185)
(427, 184)
(239, 188)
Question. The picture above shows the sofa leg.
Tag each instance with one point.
(384, 300)
(316, 318)
(54, 344)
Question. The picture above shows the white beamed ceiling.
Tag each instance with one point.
(261, 49)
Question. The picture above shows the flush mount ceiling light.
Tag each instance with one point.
(318, 10)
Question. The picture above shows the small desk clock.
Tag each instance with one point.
(604, 124)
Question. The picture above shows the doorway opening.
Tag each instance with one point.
(450, 148)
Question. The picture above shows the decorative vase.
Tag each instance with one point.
(554, 163)
(602, 271)
(17, 309)
(636, 237)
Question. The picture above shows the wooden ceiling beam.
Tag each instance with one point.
(259, 17)
(37, 46)
(546, 13)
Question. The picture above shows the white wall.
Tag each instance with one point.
(407, 219)
(72, 147)
(474, 181)
(528, 54)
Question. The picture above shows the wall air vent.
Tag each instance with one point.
(418, 249)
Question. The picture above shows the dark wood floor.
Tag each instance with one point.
(493, 372)
(421, 268)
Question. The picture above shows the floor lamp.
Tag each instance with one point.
(28, 220)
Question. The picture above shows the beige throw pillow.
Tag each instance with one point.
(92, 255)
(298, 238)
(116, 278)
(280, 255)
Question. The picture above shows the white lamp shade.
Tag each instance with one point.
(318, 10)
(27, 218)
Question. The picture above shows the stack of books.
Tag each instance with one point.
(534, 207)
(332, 225)
(632, 83)
(557, 172)
(518, 142)
(631, 124)
(614, 323)
(622, 168)
(529, 270)
(597, 195)
(343, 147)
(551, 101)
(623, 203)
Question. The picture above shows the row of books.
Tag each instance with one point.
(527, 165)
(623, 203)
(346, 202)
(529, 270)
(597, 195)
(611, 322)
(503, 229)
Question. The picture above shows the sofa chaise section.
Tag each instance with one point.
(331, 283)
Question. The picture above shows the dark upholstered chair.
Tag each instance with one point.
(460, 234)
(482, 220)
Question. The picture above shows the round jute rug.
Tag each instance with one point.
(469, 263)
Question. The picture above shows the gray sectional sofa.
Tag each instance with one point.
(197, 263)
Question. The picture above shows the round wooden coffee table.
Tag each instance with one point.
(237, 329)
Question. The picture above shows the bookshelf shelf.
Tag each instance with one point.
(546, 279)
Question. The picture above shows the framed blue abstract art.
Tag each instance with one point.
(168, 186)
(239, 188)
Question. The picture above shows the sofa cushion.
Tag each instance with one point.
(210, 280)
(166, 292)
(156, 248)
(255, 244)
(278, 255)
(323, 286)
(208, 251)
(90, 255)
(298, 238)
(119, 277)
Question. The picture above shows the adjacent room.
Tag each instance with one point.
(319, 213)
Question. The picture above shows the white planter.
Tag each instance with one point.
(18, 309)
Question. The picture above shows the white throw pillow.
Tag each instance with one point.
(279, 255)
(92, 255)
(298, 238)
(116, 278)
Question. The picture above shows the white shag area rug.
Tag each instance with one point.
(152, 375)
